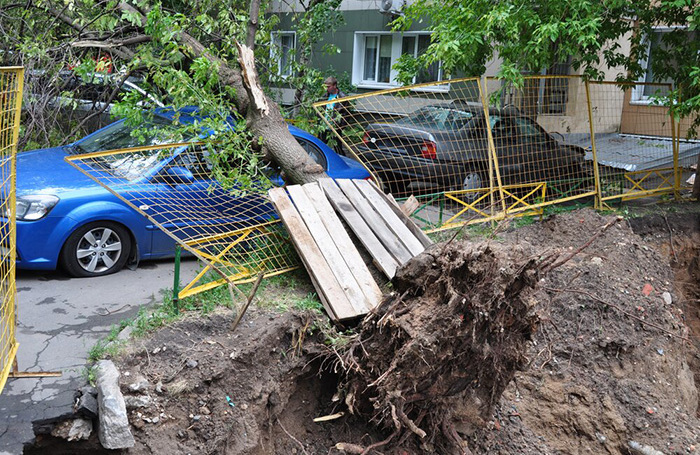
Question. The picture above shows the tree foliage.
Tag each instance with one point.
(531, 36)
(189, 51)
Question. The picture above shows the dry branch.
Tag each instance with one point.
(569, 256)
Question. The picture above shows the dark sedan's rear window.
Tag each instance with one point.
(437, 118)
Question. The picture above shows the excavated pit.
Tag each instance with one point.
(594, 357)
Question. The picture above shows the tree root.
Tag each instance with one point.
(444, 346)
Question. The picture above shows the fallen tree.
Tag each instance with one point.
(198, 55)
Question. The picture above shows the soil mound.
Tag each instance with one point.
(605, 371)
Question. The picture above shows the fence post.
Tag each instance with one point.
(493, 161)
(596, 174)
(176, 279)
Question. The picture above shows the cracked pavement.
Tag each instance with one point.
(59, 319)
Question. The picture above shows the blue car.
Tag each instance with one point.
(66, 219)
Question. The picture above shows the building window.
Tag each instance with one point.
(546, 95)
(553, 93)
(282, 52)
(377, 58)
(376, 53)
(416, 46)
(654, 86)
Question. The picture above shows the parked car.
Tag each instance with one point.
(444, 147)
(88, 92)
(66, 219)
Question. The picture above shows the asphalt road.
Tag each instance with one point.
(59, 320)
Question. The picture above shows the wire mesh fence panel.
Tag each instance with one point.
(11, 80)
(464, 162)
(541, 133)
(423, 140)
(235, 232)
(636, 141)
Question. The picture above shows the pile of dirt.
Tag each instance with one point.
(606, 371)
(609, 369)
(253, 391)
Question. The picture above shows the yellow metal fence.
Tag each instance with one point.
(11, 84)
(469, 150)
(473, 150)
(236, 234)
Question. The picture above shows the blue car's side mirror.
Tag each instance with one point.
(176, 175)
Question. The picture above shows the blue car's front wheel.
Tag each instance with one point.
(96, 249)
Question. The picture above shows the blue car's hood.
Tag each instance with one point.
(46, 172)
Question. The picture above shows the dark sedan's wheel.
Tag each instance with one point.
(472, 181)
(96, 249)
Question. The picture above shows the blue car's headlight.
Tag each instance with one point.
(35, 207)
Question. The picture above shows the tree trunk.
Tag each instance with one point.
(263, 116)
(265, 120)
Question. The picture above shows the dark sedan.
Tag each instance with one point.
(444, 147)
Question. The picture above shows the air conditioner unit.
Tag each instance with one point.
(392, 7)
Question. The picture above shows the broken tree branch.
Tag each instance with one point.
(246, 58)
(104, 107)
(250, 299)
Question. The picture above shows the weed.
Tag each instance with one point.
(310, 302)
(104, 348)
(109, 345)
(90, 375)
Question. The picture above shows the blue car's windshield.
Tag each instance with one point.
(119, 135)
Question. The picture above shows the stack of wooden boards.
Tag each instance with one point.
(341, 277)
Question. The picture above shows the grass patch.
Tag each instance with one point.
(109, 345)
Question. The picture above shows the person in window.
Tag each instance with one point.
(336, 114)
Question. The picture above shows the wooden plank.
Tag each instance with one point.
(328, 288)
(344, 243)
(409, 205)
(418, 232)
(321, 295)
(375, 222)
(329, 250)
(382, 207)
(384, 260)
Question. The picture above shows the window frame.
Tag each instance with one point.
(359, 51)
(276, 53)
(638, 97)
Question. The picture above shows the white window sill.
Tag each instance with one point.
(647, 102)
(434, 88)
